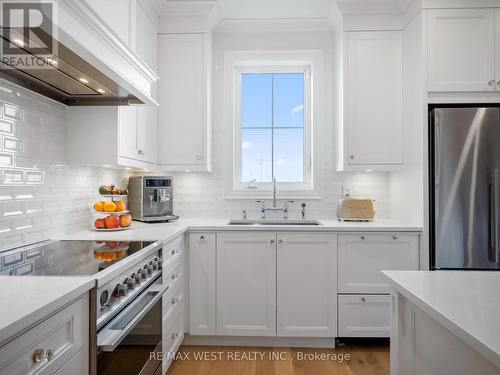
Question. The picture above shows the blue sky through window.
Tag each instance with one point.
(272, 127)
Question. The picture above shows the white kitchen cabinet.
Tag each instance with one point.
(461, 49)
(109, 136)
(306, 284)
(364, 315)
(373, 101)
(202, 278)
(184, 97)
(246, 284)
(362, 257)
(66, 334)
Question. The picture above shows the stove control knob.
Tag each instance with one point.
(144, 273)
(148, 268)
(121, 290)
(158, 262)
(130, 281)
(154, 264)
(137, 277)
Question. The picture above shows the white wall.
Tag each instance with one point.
(202, 194)
(40, 196)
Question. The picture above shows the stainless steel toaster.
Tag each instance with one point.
(151, 198)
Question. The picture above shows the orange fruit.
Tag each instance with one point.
(110, 207)
(120, 206)
(99, 206)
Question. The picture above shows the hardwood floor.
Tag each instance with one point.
(365, 359)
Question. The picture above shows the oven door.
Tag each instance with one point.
(130, 343)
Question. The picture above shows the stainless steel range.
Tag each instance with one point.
(125, 304)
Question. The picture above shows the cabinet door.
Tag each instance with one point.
(364, 316)
(374, 89)
(202, 284)
(461, 49)
(127, 133)
(146, 34)
(362, 257)
(246, 284)
(306, 284)
(181, 95)
(147, 134)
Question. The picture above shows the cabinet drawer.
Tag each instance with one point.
(362, 257)
(364, 316)
(173, 334)
(78, 365)
(172, 271)
(65, 333)
(173, 299)
(172, 248)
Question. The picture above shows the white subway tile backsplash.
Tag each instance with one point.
(40, 196)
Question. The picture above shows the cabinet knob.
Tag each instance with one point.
(351, 157)
(280, 241)
(363, 299)
(394, 237)
(491, 83)
(198, 157)
(40, 355)
(202, 237)
(272, 241)
(362, 237)
(140, 152)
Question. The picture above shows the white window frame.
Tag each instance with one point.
(307, 162)
(238, 62)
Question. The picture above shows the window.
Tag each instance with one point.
(273, 127)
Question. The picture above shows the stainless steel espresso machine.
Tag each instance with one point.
(151, 198)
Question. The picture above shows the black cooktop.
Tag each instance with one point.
(67, 258)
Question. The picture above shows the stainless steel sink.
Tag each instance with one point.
(273, 222)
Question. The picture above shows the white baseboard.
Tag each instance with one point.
(293, 342)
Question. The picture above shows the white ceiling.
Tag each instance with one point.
(261, 9)
(295, 9)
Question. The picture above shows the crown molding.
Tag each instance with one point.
(188, 16)
(273, 25)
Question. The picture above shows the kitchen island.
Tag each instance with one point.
(445, 322)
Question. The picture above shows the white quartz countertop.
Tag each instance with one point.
(27, 299)
(165, 231)
(465, 302)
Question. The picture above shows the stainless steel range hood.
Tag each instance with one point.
(66, 78)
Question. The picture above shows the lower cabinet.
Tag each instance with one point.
(63, 338)
(364, 315)
(202, 309)
(172, 300)
(306, 284)
(246, 284)
(364, 303)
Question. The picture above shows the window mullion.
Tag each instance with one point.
(272, 128)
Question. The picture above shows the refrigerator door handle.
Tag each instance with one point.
(494, 253)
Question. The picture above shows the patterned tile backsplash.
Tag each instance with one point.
(40, 195)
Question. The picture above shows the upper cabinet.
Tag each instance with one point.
(463, 50)
(372, 102)
(184, 96)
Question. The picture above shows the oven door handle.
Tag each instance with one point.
(113, 333)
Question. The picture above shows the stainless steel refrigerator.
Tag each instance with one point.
(464, 167)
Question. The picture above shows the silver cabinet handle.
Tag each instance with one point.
(202, 237)
(175, 300)
(272, 241)
(491, 83)
(351, 157)
(174, 277)
(140, 152)
(40, 355)
(363, 299)
(173, 252)
(280, 241)
(362, 237)
(394, 237)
